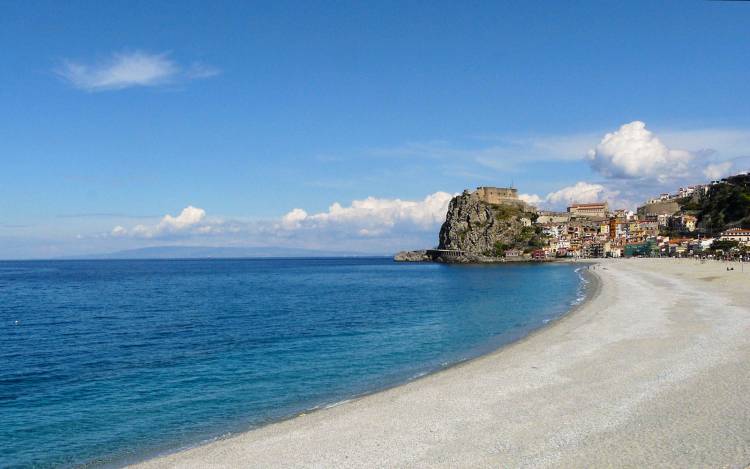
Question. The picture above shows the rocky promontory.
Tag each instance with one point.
(412, 256)
(487, 225)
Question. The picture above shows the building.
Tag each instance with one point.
(683, 222)
(497, 195)
(592, 250)
(678, 246)
(563, 244)
(502, 196)
(689, 191)
(593, 210)
(705, 243)
(623, 215)
(741, 235)
(513, 253)
(539, 254)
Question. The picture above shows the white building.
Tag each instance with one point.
(740, 235)
(706, 243)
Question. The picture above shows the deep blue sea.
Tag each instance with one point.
(107, 362)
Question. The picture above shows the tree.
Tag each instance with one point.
(724, 245)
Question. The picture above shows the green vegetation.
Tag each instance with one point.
(674, 232)
(724, 246)
(498, 249)
(726, 205)
(530, 238)
(525, 235)
(505, 212)
(689, 204)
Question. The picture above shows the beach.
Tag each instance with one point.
(651, 370)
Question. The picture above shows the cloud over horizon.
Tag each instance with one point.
(373, 216)
(130, 69)
(190, 220)
(377, 220)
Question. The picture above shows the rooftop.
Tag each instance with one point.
(594, 204)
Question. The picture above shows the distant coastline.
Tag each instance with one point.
(210, 252)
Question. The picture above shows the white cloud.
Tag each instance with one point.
(388, 220)
(189, 221)
(119, 231)
(126, 70)
(532, 199)
(198, 70)
(373, 216)
(635, 152)
(726, 143)
(718, 170)
(293, 219)
(581, 192)
(632, 152)
(189, 216)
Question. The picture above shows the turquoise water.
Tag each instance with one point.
(105, 362)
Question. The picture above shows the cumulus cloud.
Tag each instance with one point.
(373, 216)
(189, 221)
(635, 152)
(532, 199)
(119, 231)
(126, 70)
(580, 192)
(718, 170)
(293, 219)
(389, 220)
(189, 216)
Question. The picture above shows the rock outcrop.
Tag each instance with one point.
(485, 231)
(490, 224)
(412, 256)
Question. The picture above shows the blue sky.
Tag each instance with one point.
(258, 117)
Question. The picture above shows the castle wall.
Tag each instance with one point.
(497, 195)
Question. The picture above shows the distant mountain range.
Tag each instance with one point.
(204, 252)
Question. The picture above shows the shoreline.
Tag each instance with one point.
(391, 426)
(589, 283)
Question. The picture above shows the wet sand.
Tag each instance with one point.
(653, 370)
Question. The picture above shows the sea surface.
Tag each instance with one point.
(109, 362)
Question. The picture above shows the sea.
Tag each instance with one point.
(108, 362)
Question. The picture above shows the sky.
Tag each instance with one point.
(350, 125)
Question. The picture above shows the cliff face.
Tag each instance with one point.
(487, 230)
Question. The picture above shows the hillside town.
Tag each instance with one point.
(493, 224)
(666, 225)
